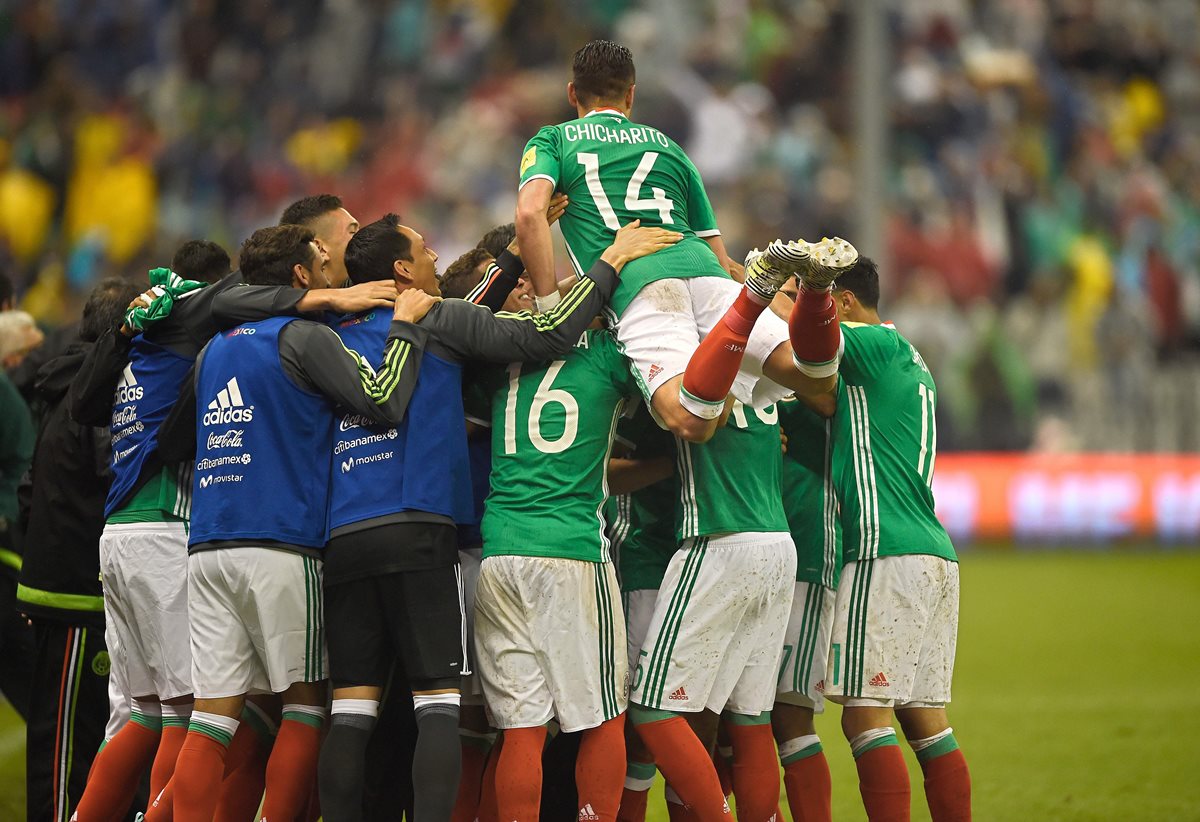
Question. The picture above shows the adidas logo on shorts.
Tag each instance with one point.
(879, 681)
(229, 406)
(680, 694)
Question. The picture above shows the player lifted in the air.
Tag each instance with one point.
(679, 307)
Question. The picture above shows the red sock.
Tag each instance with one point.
(292, 767)
(487, 787)
(714, 366)
(474, 760)
(755, 771)
(600, 769)
(198, 784)
(687, 766)
(679, 812)
(948, 787)
(633, 805)
(168, 751)
(813, 327)
(245, 775)
(519, 775)
(809, 788)
(883, 783)
(116, 772)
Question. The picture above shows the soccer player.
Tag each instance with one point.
(716, 635)
(811, 507)
(333, 226)
(896, 614)
(392, 576)
(548, 618)
(266, 396)
(666, 309)
(130, 381)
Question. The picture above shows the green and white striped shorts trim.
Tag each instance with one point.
(806, 647)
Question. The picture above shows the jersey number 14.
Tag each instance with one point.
(633, 192)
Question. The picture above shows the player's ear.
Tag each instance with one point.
(401, 272)
(572, 97)
(300, 276)
(629, 97)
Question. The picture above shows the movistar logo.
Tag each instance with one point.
(229, 406)
(128, 389)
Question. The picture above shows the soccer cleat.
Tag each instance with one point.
(767, 270)
(824, 262)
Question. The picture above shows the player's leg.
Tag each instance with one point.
(120, 763)
(476, 736)
(639, 762)
(923, 718)
(428, 627)
(584, 630)
(694, 662)
(658, 333)
(761, 630)
(800, 695)
(359, 655)
(283, 609)
(517, 693)
(224, 667)
(245, 776)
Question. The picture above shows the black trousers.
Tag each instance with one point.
(16, 648)
(68, 713)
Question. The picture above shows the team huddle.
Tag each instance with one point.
(666, 508)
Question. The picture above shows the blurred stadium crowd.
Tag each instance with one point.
(1044, 174)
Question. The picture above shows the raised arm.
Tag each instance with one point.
(90, 397)
(251, 303)
(533, 235)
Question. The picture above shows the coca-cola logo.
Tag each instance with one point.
(352, 421)
(226, 439)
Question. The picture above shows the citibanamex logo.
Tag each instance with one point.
(227, 439)
(226, 415)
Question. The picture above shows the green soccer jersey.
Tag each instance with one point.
(884, 443)
(731, 484)
(166, 497)
(808, 497)
(552, 430)
(616, 171)
(642, 524)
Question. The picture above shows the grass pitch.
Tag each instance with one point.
(1074, 693)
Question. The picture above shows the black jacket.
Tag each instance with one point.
(62, 513)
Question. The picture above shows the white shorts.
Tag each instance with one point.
(119, 701)
(550, 634)
(144, 568)
(468, 563)
(664, 323)
(894, 632)
(716, 636)
(639, 611)
(257, 621)
(806, 647)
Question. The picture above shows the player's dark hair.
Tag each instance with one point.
(270, 254)
(463, 274)
(201, 260)
(306, 210)
(374, 248)
(498, 239)
(602, 71)
(862, 280)
(106, 306)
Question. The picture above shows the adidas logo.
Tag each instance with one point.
(879, 681)
(586, 814)
(820, 686)
(655, 370)
(680, 694)
(229, 406)
(128, 389)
